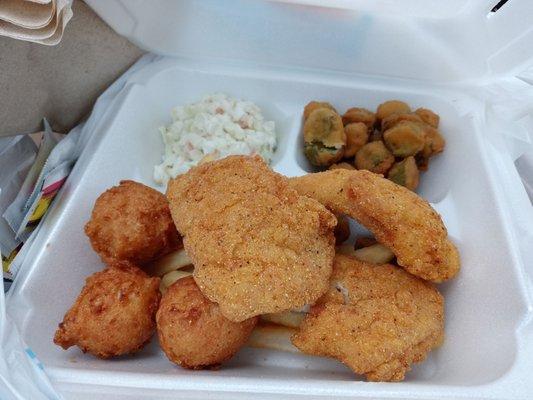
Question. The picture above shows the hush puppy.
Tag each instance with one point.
(132, 222)
(192, 331)
(114, 313)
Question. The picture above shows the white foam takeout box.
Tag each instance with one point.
(446, 56)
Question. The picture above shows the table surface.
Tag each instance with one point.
(61, 82)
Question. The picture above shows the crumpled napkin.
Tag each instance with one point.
(35, 21)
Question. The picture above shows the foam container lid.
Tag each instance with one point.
(488, 351)
(435, 40)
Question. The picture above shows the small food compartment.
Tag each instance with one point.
(485, 304)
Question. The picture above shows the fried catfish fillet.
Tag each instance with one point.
(256, 244)
(376, 319)
(398, 218)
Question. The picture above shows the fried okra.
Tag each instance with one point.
(342, 165)
(405, 139)
(393, 134)
(428, 116)
(324, 137)
(393, 119)
(391, 107)
(405, 173)
(357, 114)
(316, 105)
(356, 137)
(375, 157)
(434, 144)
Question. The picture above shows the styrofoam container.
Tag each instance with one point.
(488, 350)
(430, 40)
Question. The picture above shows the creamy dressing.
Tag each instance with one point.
(216, 127)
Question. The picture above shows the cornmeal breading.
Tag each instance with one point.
(256, 244)
(398, 218)
(376, 319)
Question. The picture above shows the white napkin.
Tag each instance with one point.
(35, 21)
(27, 14)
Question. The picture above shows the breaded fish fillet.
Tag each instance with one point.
(376, 319)
(398, 218)
(256, 244)
(192, 331)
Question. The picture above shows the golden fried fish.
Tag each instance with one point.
(256, 244)
(398, 218)
(376, 319)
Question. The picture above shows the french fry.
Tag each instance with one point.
(342, 230)
(273, 337)
(303, 309)
(346, 249)
(364, 241)
(171, 262)
(375, 254)
(289, 319)
(169, 278)
(209, 157)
